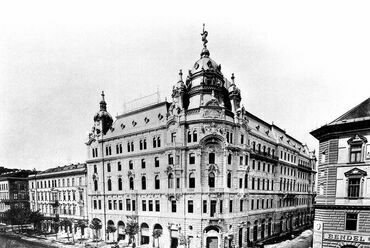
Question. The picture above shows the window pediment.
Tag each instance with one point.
(357, 139)
(355, 172)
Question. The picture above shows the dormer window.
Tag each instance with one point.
(356, 147)
(355, 183)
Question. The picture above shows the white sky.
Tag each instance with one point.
(300, 64)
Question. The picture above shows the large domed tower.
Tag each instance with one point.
(206, 83)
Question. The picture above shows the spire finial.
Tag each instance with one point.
(102, 95)
(205, 52)
(204, 36)
(232, 78)
(103, 104)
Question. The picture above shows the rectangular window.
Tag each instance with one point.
(99, 203)
(173, 206)
(351, 222)
(150, 205)
(354, 187)
(157, 206)
(156, 162)
(128, 204)
(95, 204)
(173, 137)
(355, 155)
(143, 164)
(231, 206)
(110, 204)
(119, 166)
(133, 205)
(241, 139)
(240, 183)
(252, 204)
(143, 205)
(241, 205)
(120, 205)
(170, 159)
(204, 206)
(190, 206)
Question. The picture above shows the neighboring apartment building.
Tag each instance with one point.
(14, 190)
(342, 210)
(200, 168)
(60, 193)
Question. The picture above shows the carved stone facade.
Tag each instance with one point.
(199, 169)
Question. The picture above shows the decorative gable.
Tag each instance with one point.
(355, 172)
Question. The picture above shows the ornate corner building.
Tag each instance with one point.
(342, 210)
(200, 169)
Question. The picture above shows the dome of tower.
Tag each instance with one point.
(207, 64)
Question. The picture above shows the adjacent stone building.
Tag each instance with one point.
(60, 193)
(342, 211)
(14, 190)
(201, 168)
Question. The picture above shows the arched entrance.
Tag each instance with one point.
(157, 233)
(111, 229)
(121, 230)
(212, 236)
(144, 228)
(96, 226)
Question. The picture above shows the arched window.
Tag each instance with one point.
(96, 185)
(95, 169)
(211, 158)
(195, 136)
(156, 162)
(157, 183)
(143, 182)
(191, 181)
(211, 180)
(246, 181)
(130, 165)
(154, 142)
(191, 158)
(120, 183)
(263, 229)
(159, 142)
(255, 230)
(259, 147)
(131, 183)
(108, 167)
(229, 180)
(189, 136)
(109, 185)
(254, 145)
(170, 181)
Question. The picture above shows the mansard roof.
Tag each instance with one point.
(357, 113)
(354, 120)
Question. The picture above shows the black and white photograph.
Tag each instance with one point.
(185, 124)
